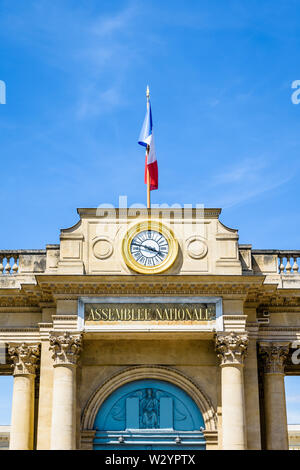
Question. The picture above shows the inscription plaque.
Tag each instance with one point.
(149, 312)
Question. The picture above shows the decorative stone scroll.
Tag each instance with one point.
(231, 348)
(65, 348)
(274, 357)
(25, 358)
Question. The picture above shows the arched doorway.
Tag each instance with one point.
(149, 414)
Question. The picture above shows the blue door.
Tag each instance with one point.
(149, 414)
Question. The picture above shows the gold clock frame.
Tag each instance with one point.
(149, 225)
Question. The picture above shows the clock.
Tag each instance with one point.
(149, 247)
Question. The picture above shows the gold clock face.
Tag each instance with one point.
(149, 247)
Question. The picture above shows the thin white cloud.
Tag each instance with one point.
(94, 102)
(90, 49)
(69, 34)
(114, 23)
(245, 170)
(245, 180)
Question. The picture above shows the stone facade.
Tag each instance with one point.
(226, 326)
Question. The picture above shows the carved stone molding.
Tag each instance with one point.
(274, 357)
(25, 358)
(196, 247)
(231, 348)
(103, 248)
(87, 439)
(124, 285)
(66, 348)
(211, 438)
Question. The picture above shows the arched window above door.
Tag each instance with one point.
(149, 413)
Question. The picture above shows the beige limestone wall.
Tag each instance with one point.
(233, 307)
(66, 307)
(252, 398)
(21, 319)
(285, 318)
(128, 352)
(194, 358)
(45, 398)
(93, 245)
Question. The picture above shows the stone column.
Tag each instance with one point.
(25, 358)
(45, 395)
(66, 349)
(274, 356)
(231, 349)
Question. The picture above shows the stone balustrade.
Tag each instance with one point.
(9, 262)
(253, 261)
(288, 262)
(276, 261)
(22, 261)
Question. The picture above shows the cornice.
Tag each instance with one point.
(286, 305)
(136, 213)
(19, 308)
(29, 296)
(152, 284)
(235, 317)
(291, 329)
(50, 287)
(19, 335)
(45, 329)
(18, 301)
(279, 333)
(82, 278)
(64, 317)
(19, 330)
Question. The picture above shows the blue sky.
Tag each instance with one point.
(220, 76)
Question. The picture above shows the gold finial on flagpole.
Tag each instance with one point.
(148, 93)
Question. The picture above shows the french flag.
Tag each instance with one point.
(146, 139)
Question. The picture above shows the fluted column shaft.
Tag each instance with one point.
(231, 350)
(274, 356)
(25, 358)
(66, 350)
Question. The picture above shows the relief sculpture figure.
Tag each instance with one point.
(149, 410)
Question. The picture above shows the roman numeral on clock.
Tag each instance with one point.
(149, 248)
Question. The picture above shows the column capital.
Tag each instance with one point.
(274, 356)
(66, 348)
(25, 358)
(231, 348)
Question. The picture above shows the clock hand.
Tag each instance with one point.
(145, 247)
(149, 248)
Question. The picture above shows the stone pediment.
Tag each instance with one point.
(94, 244)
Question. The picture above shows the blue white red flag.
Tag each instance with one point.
(146, 139)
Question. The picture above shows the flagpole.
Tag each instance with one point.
(147, 155)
